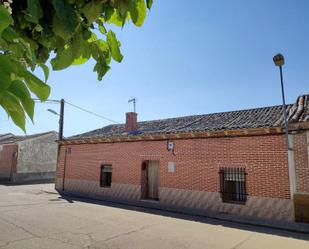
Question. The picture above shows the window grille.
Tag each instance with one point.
(233, 185)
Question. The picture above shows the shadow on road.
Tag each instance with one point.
(13, 184)
(195, 218)
(66, 198)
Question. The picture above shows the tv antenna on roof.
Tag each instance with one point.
(134, 103)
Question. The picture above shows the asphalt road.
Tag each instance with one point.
(35, 216)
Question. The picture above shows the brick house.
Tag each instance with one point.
(232, 162)
(30, 158)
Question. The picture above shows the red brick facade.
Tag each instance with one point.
(176, 162)
(197, 162)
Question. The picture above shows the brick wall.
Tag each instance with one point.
(6, 158)
(197, 162)
(300, 144)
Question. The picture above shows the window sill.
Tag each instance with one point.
(150, 200)
(236, 202)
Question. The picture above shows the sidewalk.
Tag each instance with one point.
(282, 225)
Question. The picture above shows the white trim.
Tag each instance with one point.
(291, 165)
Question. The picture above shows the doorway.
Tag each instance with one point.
(150, 180)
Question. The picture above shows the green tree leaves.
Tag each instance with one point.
(10, 103)
(101, 53)
(149, 3)
(16, 83)
(65, 19)
(34, 11)
(5, 18)
(63, 59)
(75, 53)
(114, 46)
(38, 87)
(19, 90)
(6, 69)
(72, 31)
(137, 11)
(92, 11)
(45, 70)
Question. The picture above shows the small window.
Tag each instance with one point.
(233, 185)
(106, 176)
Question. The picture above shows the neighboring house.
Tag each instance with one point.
(28, 158)
(231, 162)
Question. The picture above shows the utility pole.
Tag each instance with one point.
(61, 119)
(134, 103)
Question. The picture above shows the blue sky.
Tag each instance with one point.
(190, 57)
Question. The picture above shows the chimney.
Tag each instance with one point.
(131, 122)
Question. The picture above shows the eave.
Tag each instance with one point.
(175, 136)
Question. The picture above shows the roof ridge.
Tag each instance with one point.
(212, 113)
(19, 138)
(36, 134)
(266, 116)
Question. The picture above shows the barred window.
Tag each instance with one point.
(106, 176)
(233, 185)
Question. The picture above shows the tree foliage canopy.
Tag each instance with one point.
(31, 31)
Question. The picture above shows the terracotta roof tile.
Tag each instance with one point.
(252, 118)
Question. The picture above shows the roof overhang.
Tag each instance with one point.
(294, 127)
(174, 136)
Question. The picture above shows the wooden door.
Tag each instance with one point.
(153, 177)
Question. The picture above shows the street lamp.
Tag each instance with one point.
(279, 62)
(53, 112)
(60, 117)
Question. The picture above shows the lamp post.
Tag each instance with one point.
(279, 62)
(60, 117)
